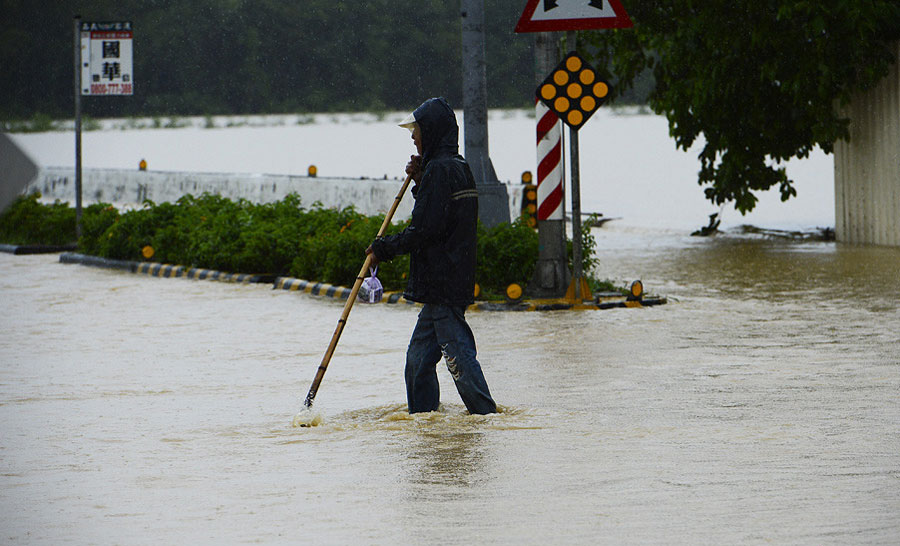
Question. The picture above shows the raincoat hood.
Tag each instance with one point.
(440, 133)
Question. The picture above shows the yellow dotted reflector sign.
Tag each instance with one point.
(573, 91)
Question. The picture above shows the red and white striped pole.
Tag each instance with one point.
(551, 272)
(549, 164)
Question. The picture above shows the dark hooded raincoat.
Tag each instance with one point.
(441, 236)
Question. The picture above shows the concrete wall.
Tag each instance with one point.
(129, 188)
(867, 169)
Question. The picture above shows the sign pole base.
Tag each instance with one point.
(585, 291)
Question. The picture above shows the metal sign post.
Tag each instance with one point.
(574, 91)
(78, 127)
(577, 248)
(547, 17)
(578, 286)
(103, 66)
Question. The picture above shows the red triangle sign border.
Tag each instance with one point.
(526, 24)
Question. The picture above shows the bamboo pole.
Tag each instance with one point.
(320, 373)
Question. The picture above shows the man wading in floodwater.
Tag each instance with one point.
(440, 240)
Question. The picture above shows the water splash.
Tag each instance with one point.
(307, 417)
(397, 417)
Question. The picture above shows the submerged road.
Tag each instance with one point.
(759, 405)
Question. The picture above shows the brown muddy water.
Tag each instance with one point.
(760, 405)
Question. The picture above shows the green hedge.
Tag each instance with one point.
(27, 221)
(281, 238)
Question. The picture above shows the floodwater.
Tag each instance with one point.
(630, 167)
(760, 405)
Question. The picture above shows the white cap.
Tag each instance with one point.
(409, 122)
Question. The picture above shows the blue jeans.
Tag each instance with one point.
(441, 331)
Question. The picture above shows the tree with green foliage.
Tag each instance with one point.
(761, 81)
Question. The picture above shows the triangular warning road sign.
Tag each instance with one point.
(18, 170)
(562, 15)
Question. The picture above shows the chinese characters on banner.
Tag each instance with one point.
(106, 63)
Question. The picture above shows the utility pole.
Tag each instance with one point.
(493, 199)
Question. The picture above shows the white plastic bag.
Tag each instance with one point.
(370, 291)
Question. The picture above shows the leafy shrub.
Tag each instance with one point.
(506, 254)
(280, 238)
(27, 221)
(317, 240)
(347, 251)
(213, 228)
(125, 238)
(588, 248)
(271, 238)
(336, 255)
(96, 219)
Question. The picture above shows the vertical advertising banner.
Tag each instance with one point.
(106, 59)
